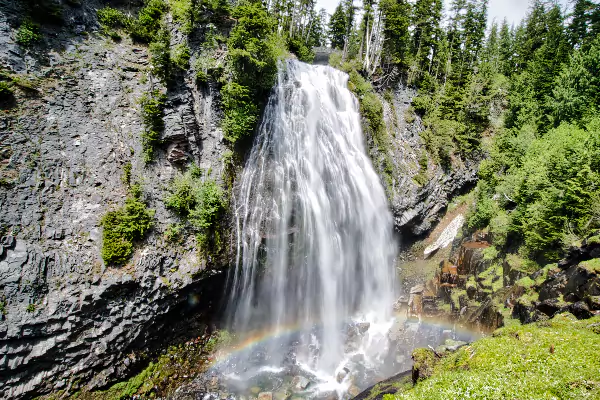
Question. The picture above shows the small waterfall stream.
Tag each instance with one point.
(315, 244)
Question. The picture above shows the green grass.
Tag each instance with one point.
(555, 359)
(592, 265)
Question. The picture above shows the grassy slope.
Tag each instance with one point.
(555, 359)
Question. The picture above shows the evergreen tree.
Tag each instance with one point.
(337, 28)
(492, 49)
(585, 22)
(426, 21)
(506, 52)
(576, 93)
(396, 21)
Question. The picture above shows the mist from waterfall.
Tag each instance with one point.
(315, 246)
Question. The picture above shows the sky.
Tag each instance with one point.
(512, 10)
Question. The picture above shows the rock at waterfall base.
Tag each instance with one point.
(300, 383)
(265, 396)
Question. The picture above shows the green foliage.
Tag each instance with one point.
(160, 52)
(298, 47)
(152, 104)
(173, 233)
(111, 18)
(577, 88)
(241, 113)
(145, 28)
(550, 359)
(126, 177)
(181, 56)
(184, 14)
(550, 187)
(486, 210)
(28, 33)
(252, 68)
(396, 22)
(123, 226)
(30, 308)
(200, 201)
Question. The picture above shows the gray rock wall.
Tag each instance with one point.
(416, 208)
(67, 317)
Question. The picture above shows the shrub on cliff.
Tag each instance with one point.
(147, 24)
(254, 50)
(123, 226)
(153, 104)
(201, 202)
(6, 94)
(28, 33)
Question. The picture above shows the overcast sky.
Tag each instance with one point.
(513, 10)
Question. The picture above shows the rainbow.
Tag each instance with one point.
(260, 337)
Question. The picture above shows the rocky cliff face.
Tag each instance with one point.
(418, 193)
(65, 316)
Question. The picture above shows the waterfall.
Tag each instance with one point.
(315, 244)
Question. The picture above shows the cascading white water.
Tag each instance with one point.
(315, 244)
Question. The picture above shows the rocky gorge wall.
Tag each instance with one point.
(419, 190)
(66, 317)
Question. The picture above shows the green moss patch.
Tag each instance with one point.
(592, 265)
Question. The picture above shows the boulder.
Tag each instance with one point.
(265, 396)
(300, 383)
(550, 307)
(581, 310)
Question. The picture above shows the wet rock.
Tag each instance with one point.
(213, 384)
(593, 302)
(354, 391)
(265, 396)
(388, 386)
(280, 395)
(415, 207)
(470, 258)
(342, 374)
(527, 312)
(589, 249)
(300, 383)
(86, 125)
(363, 327)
